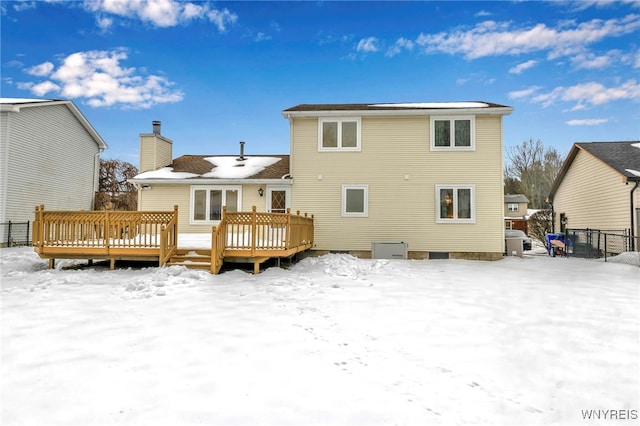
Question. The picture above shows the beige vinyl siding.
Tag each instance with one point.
(593, 195)
(401, 171)
(163, 197)
(50, 159)
(155, 152)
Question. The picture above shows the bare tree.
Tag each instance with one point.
(114, 190)
(531, 171)
(540, 225)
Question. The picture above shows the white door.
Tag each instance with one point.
(278, 199)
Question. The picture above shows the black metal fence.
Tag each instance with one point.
(15, 234)
(596, 243)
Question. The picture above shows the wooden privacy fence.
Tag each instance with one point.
(257, 236)
(134, 235)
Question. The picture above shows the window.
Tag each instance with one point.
(453, 133)
(355, 200)
(455, 203)
(339, 134)
(207, 202)
(512, 207)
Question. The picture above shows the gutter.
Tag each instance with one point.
(633, 241)
(211, 181)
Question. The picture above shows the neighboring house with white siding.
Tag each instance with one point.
(597, 187)
(49, 154)
(429, 175)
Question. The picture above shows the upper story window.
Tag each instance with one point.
(339, 134)
(512, 207)
(453, 133)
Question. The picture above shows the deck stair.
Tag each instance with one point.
(192, 259)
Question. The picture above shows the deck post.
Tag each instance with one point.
(107, 230)
(214, 254)
(163, 244)
(254, 226)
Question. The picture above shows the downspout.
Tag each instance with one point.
(633, 242)
(96, 176)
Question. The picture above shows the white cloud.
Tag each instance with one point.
(22, 5)
(591, 61)
(587, 122)
(159, 13)
(367, 45)
(222, 18)
(400, 45)
(518, 94)
(518, 69)
(492, 38)
(99, 77)
(41, 70)
(591, 93)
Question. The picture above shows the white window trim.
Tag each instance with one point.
(340, 120)
(472, 219)
(287, 195)
(511, 209)
(452, 118)
(365, 187)
(222, 188)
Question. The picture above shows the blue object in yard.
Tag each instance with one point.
(551, 237)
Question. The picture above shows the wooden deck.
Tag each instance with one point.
(248, 237)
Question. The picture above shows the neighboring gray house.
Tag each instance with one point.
(515, 212)
(49, 154)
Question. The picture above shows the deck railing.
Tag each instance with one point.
(260, 234)
(106, 232)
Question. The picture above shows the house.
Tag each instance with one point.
(428, 175)
(516, 214)
(50, 155)
(597, 188)
(200, 185)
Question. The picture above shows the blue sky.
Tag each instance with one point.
(216, 73)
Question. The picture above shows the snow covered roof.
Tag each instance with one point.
(223, 167)
(15, 101)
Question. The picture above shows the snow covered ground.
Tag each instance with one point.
(332, 340)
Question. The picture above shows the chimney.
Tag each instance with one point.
(156, 127)
(241, 158)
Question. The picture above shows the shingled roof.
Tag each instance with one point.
(623, 157)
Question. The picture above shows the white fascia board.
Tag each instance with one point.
(399, 113)
(204, 181)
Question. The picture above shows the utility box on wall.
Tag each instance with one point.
(389, 250)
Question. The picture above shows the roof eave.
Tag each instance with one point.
(399, 112)
(213, 181)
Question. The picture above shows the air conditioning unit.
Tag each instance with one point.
(389, 250)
